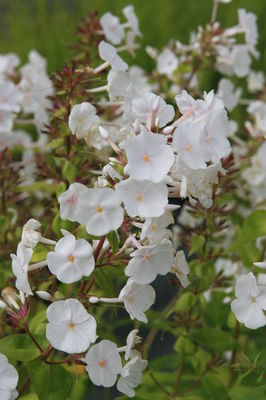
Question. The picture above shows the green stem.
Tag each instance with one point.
(32, 338)
(233, 357)
(179, 373)
(160, 386)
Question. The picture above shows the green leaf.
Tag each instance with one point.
(214, 387)
(18, 347)
(113, 239)
(184, 345)
(29, 396)
(69, 171)
(59, 113)
(50, 382)
(245, 245)
(59, 224)
(61, 188)
(248, 393)
(39, 254)
(39, 186)
(213, 338)
(55, 143)
(185, 302)
(197, 243)
(103, 282)
(37, 324)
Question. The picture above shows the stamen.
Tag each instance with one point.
(146, 158)
(72, 325)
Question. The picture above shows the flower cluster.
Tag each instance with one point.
(163, 185)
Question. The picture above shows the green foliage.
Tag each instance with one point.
(51, 382)
(253, 228)
(18, 347)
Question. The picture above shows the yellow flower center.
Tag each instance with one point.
(146, 158)
(139, 197)
(187, 148)
(102, 363)
(72, 325)
(252, 299)
(153, 227)
(147, 257)
(71, 258)
(130, 298)
(99, 210)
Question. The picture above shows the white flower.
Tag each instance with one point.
(227, 94)
(143, 108)
(69, 199)
(240, 60)
(100, 211)
(250, 302)
(8, 380)
(214, 136)
(112, 29)
(226, 266)
(8, 62)
(256, 173)
(145, 199)
(132, 340)
(10, 97)
(83, 120)
(181, 268)
(167, 62)
(186, 141)
(107, 52)
(6, 121)
(103, 363)
(186, 103)
(260, 264)
(155, 228)
(197, 183)
(71, 328)
(137, 299)
(149, 261)
(131, 376)
(132, 19)
(20, 265)
(248, 22)
(71, 259)
(255, 81)
(30, 237)
(148, 157)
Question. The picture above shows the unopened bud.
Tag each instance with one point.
(10, 296)
(104, 132)
(136, 126)
(94, 300)
(156, 105)
(153, 53)
(2, 304)
(30, 237)
(44, 295)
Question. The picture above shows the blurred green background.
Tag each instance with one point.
(49, 25)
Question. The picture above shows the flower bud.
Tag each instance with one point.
(2, 304)
(10, 296)
(94, 299)
(30, 237)
(44, 295)
(104, 132)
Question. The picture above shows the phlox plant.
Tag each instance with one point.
(133, 217)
